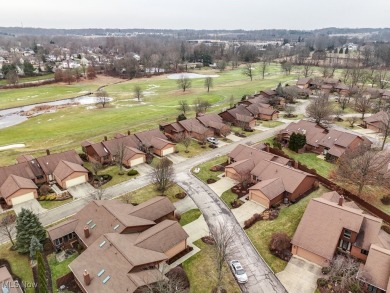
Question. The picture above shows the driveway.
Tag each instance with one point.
(234, 138)
(196, 229)
(143, 169)
(222, 185)
(176, 158)
(246, 211)
(81, 190)
(300, 276)
(185, 205)
(32, 205)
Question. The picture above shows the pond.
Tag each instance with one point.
(13, 116)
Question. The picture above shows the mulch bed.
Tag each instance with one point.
(211, 181)
(236, 204)
(180, 195)
(181, 254)
(217, 168)
(208, 240)
(240, 190)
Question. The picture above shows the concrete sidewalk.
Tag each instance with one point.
(222, 185)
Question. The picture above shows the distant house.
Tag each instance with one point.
(268, 93)
(377, 122)
(17, 190)
(124, 244)
(215, 123)
(327, 88)
(342, 89)
(255, 99)
(263, 111)
(156, 141)
(330, 223)
(172, 130)
(239, 116)
(196, 129)
(331, 142)
(304, 83)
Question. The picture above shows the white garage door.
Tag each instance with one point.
(22, 198)
(75, 181)
(136, 162)
(168, 151)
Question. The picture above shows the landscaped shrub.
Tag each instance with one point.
(236, 204)
(211, 181)
(280, 245)
(180, 195)
(321, 282)
(326, 270)
(208, 240)
(45, 189)
(386, 200)
(83, 157)
(252, 220)
(179, 275)
(43, 197)
(51, 197)
(132, 172)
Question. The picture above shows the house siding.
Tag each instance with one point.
(356, 252)
(304, 187)
(128, 163)
(310, 256)
(259, 197)
(62, 183)
(227, 117)
(159, 152)
(176, 249)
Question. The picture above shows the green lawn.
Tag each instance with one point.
(59, 269)
(5, 214)
(148, 192)
(299, 117)
(310, 160)
(205, 172)
(20, 264)
(194, 149)
(288, 220)
(190, 216)
(68, 127)
(228, 196)
(52, 204)
(201, 272)
(247, 133)
(29, 79)
(271, 124)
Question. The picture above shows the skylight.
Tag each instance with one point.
(101, 272)
(106, 279)
(102, 244)
(89, 222)
(116, 227)
(93, 226)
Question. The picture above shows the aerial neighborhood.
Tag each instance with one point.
(194, 161)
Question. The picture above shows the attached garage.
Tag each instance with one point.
(267, 192)
(231, 173)
(75, 181)
(167, 151)
(259, 198)
(137, 161)
(17, 189)
(22, 198)
(133, 157)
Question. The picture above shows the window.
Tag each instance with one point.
(345, 245)
(347, 233)
(363, 251)
(371, 288)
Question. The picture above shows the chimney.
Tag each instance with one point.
(105, 138)
(87, 278)
(128, 132)
(48, 152)
(86, 231)
(341, 200)
(296, 165)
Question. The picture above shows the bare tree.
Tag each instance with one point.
(175, 281)
(223, 237)
(307, 70)
(183, 106)
(264, 63)
(320, 109)
(7, 227)
(184, 83)
(381, 78)
(119, 155)
(12, 77)
(343, 101)
(96, 167)
(231, 101)
(248, 70)
(138, 94)
(221, 65)
(352, 120)
(385, 126)
(163, 175)
(289, 110)
(362, 166)
(201, 106)
(208, 83)
(363, 104)
(185, 139)
(99, 191)
(102, 98)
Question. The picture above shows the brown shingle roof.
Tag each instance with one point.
(376, 271)
(271, 188)
(15, 183)
(65, 168)
(243, 152)
(154, 208)
(113, 145)
(381, 117)
(99, 149)
(153, 138)
(62, 229)
(24, 158)
(130, 152)
(303, 81)
(7, 281)
(193, 125)
(28, 170)
(49, 163)
(321, 225)
(162, 236)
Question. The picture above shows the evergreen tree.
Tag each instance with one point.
(292, 141)
(346, 51)
(28, 68)
(42, 281)
(27, 226)
(35, 246)
(341, 51)
(279, 89)
(297, 141)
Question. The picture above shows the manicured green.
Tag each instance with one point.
(271, 124)
(20, 264)
(201, 272)
(228, 196)
(189, 216)
(194, 149)
(148, 192)
(205, 172)
(68, 127)
(59, 269)
(52, 204)
(322, 167)
(261, 232)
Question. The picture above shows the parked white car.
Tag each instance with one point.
(212, 140)
(238, 271)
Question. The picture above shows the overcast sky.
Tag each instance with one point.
(198, 14)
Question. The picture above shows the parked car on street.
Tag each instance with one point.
(238, 271)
